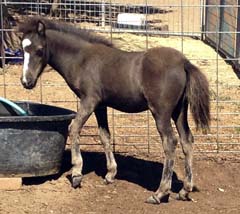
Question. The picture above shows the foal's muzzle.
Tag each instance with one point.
(28, 84)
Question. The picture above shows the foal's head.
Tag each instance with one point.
(35, 53)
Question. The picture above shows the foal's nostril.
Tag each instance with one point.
(24, 82)
(28, 84)
(25, 85)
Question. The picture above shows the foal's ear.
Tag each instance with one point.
(41, 28)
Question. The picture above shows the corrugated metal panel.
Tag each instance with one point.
(212, 21)
(221, 26)
(229, 24)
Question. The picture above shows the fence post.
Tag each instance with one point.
(103, 13)
(2, 37)
(237, 34)
(203, 9)
(2, 48)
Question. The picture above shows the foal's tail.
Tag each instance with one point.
(197, 91)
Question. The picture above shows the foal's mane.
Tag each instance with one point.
(30, 26)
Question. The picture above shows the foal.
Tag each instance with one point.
(160, 79)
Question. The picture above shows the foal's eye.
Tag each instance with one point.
(39, 52)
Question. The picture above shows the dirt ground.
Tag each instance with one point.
(216, 180)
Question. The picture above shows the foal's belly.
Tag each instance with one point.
(128, 105)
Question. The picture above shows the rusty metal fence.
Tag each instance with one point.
(138, 25)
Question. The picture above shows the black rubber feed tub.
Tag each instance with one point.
(33, 145)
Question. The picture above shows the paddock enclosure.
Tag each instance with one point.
(206, 31)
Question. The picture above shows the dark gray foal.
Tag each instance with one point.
(160, 79)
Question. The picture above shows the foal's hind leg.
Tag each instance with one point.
(163, 122)
(85, 110)
(186, 140)
(104, 133)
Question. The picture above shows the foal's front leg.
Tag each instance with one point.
(85, 110)
(104, 133)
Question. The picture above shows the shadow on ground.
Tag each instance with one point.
(138, 171)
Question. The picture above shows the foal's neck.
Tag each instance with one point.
(64, 50)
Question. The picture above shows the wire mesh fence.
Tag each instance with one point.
(136, 26)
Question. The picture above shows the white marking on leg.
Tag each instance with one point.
(25, 43)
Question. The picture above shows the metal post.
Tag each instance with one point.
(37, 7)
(237, 45)
(113, 115)
(110, 19)
(103, 13)
(2, 45)
(217, 67)
(74, 12)
(182, 25)
(113, 131)
(148, 113)
(203, 9)
(2, 50)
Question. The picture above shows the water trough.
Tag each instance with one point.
(33, 145)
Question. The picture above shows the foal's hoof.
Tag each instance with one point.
(76, 181)
(153, 200)
(109, 178)
(108, 181)
(183, 197)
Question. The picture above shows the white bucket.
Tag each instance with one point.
(131, 19)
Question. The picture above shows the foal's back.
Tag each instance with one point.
(129, 79)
